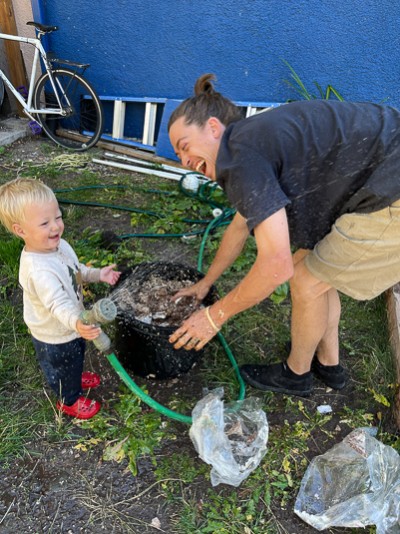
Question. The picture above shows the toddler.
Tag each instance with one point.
(51, 278)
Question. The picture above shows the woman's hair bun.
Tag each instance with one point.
(204, 85)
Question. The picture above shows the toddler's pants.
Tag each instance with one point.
(62, 365)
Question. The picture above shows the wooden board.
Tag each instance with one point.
(393, 311)
(12, 49)
(122, 149)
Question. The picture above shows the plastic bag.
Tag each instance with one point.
(233, 439)
(354, 484)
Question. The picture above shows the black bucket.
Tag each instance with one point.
(144, 348)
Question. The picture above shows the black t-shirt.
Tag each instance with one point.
(318, 159)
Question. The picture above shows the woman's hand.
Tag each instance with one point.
(195, 332)
(199, 290)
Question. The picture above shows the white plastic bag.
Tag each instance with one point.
(354, 484)
(233, 439)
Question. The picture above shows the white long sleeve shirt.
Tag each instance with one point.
(52, 292)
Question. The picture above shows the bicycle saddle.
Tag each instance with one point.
(42, 27)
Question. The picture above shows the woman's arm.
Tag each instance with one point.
(231, 246)
(273, 266)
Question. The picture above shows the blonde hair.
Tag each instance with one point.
(19, 193)
(206, 103)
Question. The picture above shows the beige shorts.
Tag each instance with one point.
(361, 255)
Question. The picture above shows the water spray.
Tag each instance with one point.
(103, 311)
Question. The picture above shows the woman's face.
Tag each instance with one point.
(197, 146)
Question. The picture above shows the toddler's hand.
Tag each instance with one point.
(87, 331)
(108, 275)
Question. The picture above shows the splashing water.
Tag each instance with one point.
(151, 301)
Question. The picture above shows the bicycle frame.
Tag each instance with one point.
(27, 104)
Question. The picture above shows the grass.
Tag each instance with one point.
(10, 250)
(126, 430)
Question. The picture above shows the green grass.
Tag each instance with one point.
(22, 411)
(10, 250)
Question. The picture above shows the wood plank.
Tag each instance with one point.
(122, 149)
(15, 61)
(393, 312)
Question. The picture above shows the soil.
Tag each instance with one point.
(59, 489)
(151, 301)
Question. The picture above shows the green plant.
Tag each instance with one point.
(174, 213)
(301, 89)
(90, 251)
(129, 434)
(176, 469)
(231, 512)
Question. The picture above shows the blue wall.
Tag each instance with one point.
(159, 48)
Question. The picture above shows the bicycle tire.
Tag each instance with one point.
(84, 111)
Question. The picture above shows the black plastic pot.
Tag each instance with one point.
(144, 348)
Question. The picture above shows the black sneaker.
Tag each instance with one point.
(333, 376)
(277, 377)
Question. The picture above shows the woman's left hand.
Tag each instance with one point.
(194, 333)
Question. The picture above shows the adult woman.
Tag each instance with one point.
(319, 177)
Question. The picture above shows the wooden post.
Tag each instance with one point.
(15, 62)
(393, 309)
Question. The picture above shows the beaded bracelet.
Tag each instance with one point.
(210, 320)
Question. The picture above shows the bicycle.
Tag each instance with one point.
(61, 101)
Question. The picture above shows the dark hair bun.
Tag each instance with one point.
(204, 85)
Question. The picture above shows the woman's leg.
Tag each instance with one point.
(328, 347)
(315, 318)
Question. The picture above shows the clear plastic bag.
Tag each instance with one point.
(232, 438)
(354, 484)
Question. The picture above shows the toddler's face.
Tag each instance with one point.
(42, 228)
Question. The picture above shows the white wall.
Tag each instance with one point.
(23, 14)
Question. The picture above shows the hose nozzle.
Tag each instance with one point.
(103, 311)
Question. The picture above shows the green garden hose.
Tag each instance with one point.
(119, 369)
(115, 363)
(203, 194)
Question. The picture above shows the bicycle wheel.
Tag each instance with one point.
(82, 124)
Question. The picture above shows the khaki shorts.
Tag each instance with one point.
(361, 255)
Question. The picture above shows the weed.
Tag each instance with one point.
(176, 471)
(232, 512)
(129, 434)
(179, 214)
(300, 88)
